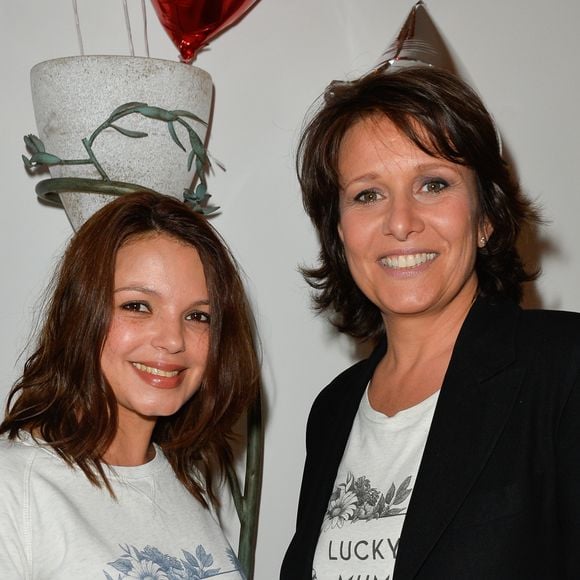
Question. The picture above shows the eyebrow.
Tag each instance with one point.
(365, 177)
(431, 166)
(143, 289)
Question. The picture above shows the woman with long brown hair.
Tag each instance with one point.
(118, 428)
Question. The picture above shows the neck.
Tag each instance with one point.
(132, 443)
(418, 354)
(414, 338)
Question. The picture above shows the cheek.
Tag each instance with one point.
(119, 338)
(458, 224)
(108, 357)
(115, 338)
(198, 348)
(353, 234)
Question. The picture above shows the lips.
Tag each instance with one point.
(160, 375)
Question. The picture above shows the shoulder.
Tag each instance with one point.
(19, 457)
(551, 334)
(346, 389)
(341, 384)
(16, 455)
(16, 461)
(504, 324)
(548, 347)
(557, 323)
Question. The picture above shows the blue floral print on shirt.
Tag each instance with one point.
(151, 564)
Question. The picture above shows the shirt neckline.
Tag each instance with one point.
(405, 417)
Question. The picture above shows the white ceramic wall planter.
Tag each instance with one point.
(73, 96)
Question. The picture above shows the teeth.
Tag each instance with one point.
(408, 260)
(154, 371)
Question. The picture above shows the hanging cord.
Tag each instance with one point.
(78, 26)
(145, 34)
(128, 25)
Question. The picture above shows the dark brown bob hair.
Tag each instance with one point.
(63, 396)
(443, 117)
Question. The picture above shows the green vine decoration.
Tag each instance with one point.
(196, 198)
(248, 503)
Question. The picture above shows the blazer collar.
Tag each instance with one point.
(477, 394)
(472, 407)
(318, 489)
(486, 342)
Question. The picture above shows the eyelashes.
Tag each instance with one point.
(136, 306)
(435, 185)
(139, 307)
(199, 316)
(368, 196)
(431, 186)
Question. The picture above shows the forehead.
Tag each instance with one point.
(375, 146)
(142, 255)
(380, 127)
(378, 140)
(143, 239)
(427, 135)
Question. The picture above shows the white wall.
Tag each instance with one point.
(522, 56)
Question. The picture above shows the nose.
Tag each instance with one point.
(402, 218)
(168, 335)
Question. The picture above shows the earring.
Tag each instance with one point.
(482, 241)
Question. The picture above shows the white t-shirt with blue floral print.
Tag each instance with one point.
(56, 525)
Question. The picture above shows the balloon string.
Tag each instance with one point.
(145, 35)
(128, 25)
(78, 26)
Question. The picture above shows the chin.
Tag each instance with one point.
(154, 411)
(407, 307)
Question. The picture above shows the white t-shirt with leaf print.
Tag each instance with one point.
(363, 522)
(55, 525)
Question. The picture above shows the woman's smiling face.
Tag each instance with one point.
(155, 353)
(408, 221)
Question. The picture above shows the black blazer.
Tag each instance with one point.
(497, 495)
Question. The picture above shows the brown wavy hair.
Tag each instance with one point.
(63, 396)
(443, 117)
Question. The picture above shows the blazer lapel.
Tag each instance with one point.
(319, 486)
(476, 397)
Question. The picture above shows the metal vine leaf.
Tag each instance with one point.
(196, 198)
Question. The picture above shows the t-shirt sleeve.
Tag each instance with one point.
(13, 535)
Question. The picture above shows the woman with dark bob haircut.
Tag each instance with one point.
(453, 451)
(116, 431)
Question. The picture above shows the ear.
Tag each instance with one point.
(484, 232)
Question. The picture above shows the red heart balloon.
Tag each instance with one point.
(192, 23)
